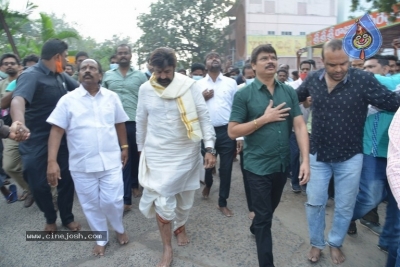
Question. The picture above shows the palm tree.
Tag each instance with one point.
(48, 31)
(15, 18)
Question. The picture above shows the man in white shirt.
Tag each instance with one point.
(218, 91)
(171, 119)
(93, 119)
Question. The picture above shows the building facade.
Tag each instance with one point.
(282, 23)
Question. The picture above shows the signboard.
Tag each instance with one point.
(338, 31)
(285, 46)
(71, 59)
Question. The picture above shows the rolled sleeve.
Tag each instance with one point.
(302, 91)
(26, 86)
(59, 116)
(295, 110)
(239, 109)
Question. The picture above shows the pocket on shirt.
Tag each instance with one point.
(108, 115)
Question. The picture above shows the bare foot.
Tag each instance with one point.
(122, 238)
(251, 215)
(206, 191)
(136, 192)
(227, 212)
(181, 236)
(127, 208)
(337, 255)
(50, 228)
(73, 226)
(314, 254)
(166, 259)
(99, 250)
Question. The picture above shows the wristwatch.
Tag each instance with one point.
(212, 151)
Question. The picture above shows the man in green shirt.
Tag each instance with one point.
(264, 113)
(125, 81)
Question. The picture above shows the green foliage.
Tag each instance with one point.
(17, 23)
(104, 50)
(30, 35)
(380, 5)
(48, 30)
(192, 28)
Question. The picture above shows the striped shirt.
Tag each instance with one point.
(393, 163)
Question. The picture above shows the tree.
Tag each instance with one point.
(192, 28)
(103, 50)
(16, 19)
(381, 5)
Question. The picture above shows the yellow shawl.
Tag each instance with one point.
(179, 89)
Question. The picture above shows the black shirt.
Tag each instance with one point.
(338, 117)
(41, 88)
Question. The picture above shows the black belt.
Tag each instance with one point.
(220, 127)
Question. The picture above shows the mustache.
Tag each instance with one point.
(87, 75)
(270, 65)
(163, 80)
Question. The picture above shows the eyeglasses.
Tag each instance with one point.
(9, 63)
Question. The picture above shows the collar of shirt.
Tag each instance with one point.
(83, 92)
(130, 71)
(322, 75)
(44, 68)
(259, 85)
(218, 78)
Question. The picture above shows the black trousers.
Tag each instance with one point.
(266, 192)
(226, 149)
(246, 183)
(131, 169)
(35, 171)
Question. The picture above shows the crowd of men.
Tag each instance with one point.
(125, 133)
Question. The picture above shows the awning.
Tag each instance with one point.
(389, 31)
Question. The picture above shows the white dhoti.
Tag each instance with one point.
(170, 122)
(101, 197)
(176, 208)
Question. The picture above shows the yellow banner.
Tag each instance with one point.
(285, 46)
(71, 59)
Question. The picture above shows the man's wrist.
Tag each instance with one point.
(211, 150)
(261, 121)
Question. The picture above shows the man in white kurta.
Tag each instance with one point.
(172, 118)
(93, 120)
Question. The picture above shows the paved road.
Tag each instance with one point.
(216, 241)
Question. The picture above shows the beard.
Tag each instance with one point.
(164, 82)
(11, 72)
(215, 68)
(125, 63)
